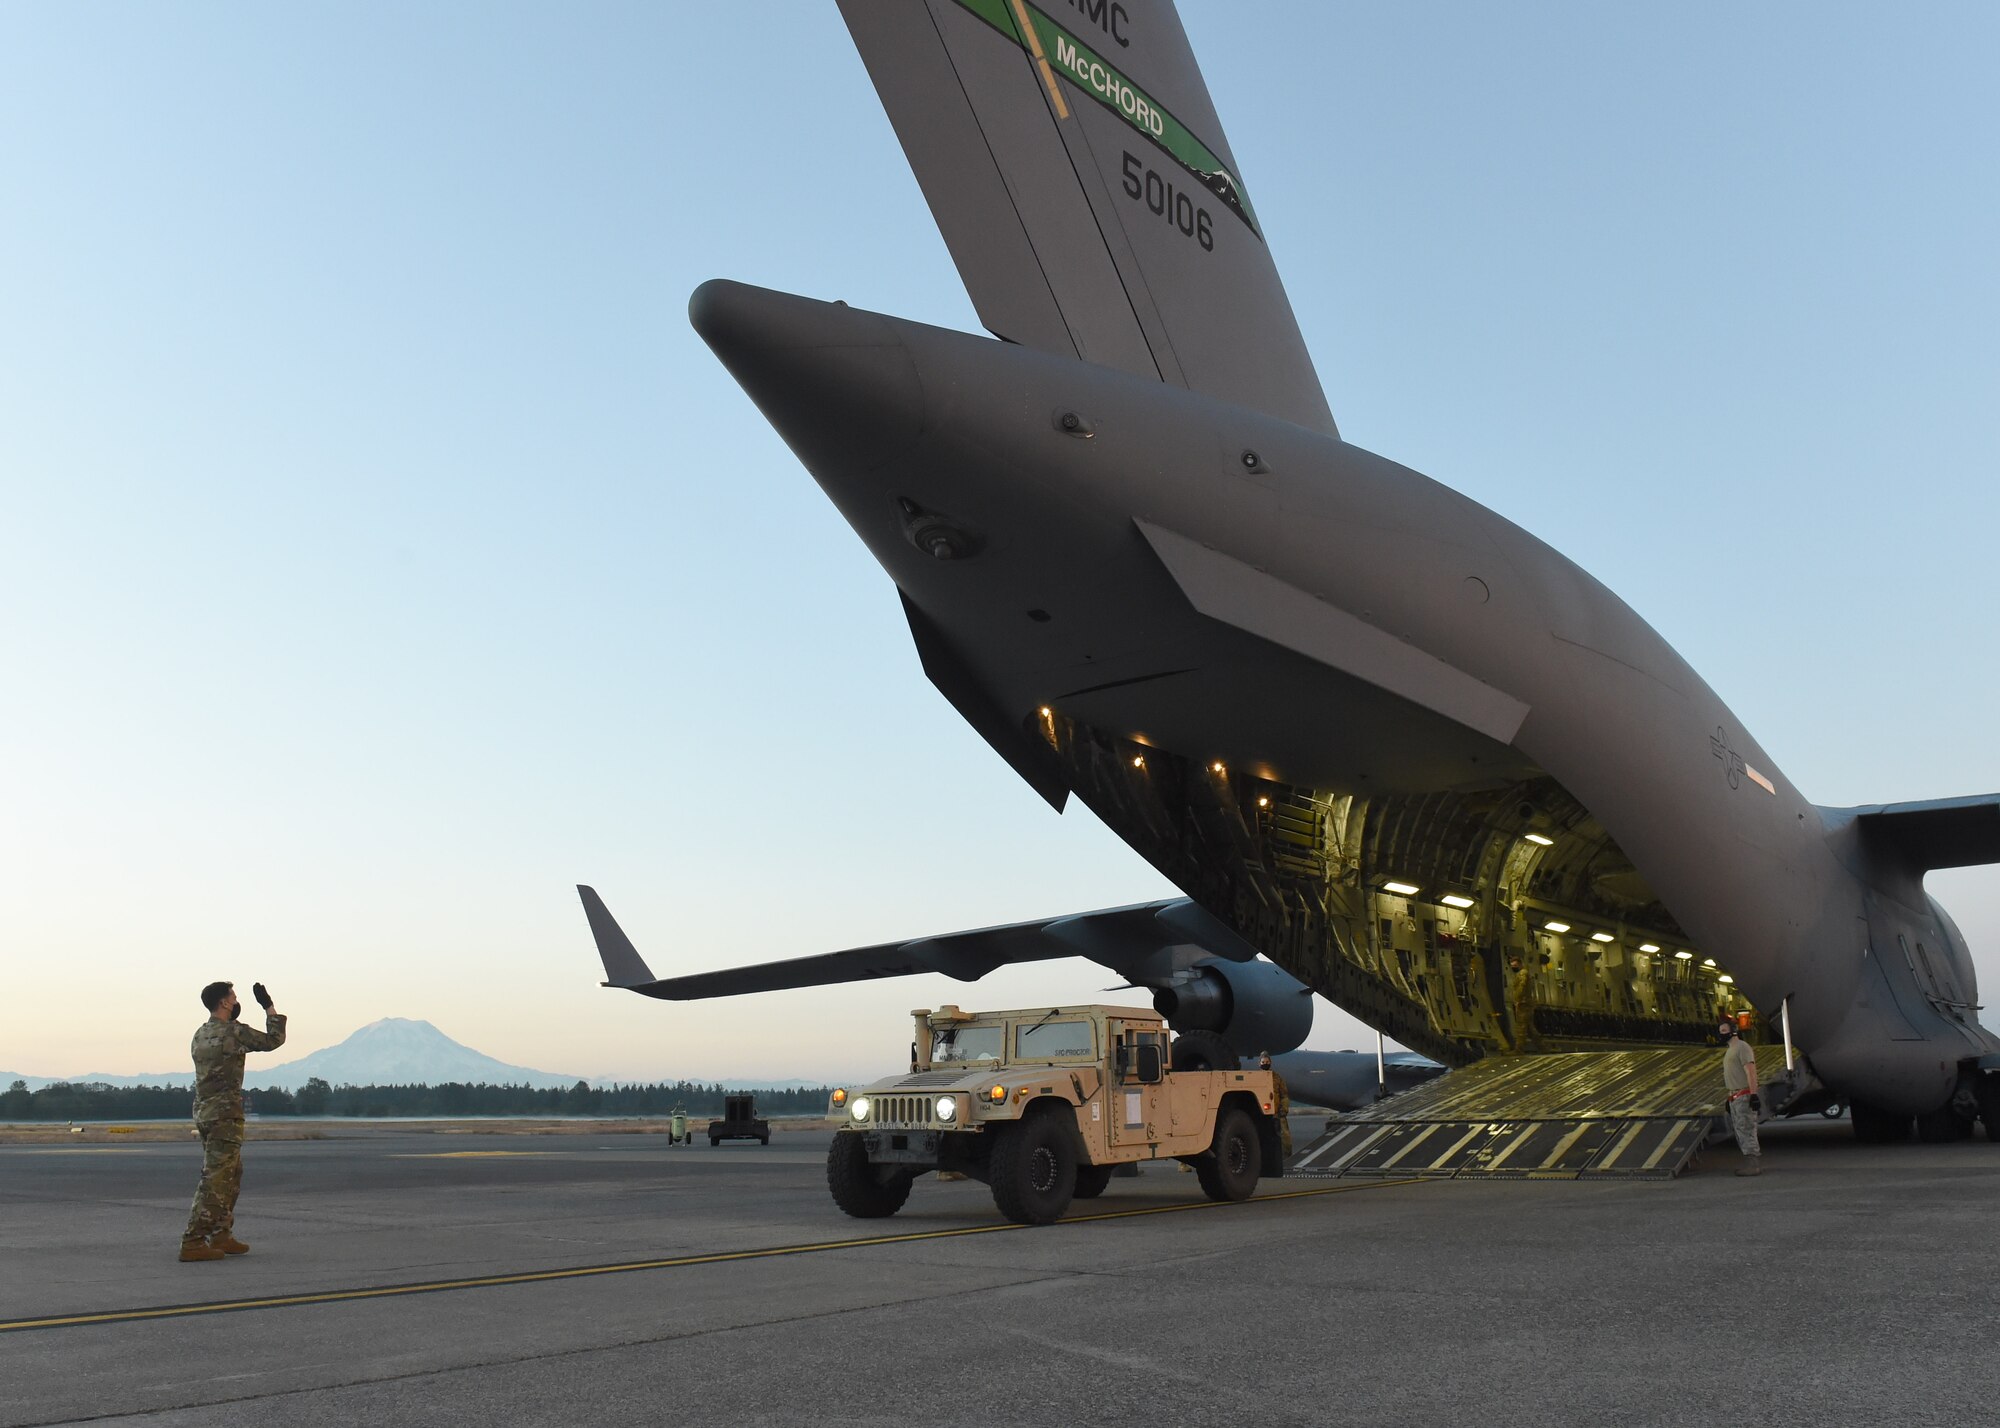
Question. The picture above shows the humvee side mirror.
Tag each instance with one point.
(1151, 1073)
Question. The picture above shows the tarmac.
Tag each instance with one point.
(399, 1276)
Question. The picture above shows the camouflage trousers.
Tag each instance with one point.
(214, 1209)
(1743, 1121)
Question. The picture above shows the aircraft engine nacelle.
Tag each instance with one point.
(1254, 1006)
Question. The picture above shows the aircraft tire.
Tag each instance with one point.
(1231, 1169)
(857, 1186)
(1092, 1181)
(1987, 1089)
(1203, 1051)
(1033, 1169)
(1873, 1126)
(1941, 1126)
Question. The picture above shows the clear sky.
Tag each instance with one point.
(381, 553)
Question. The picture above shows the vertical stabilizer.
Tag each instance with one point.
(1075, 165)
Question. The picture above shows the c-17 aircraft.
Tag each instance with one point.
(1383, 740)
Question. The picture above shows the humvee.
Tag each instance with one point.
(1044, 1104)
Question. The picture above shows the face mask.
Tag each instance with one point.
(236, 1011)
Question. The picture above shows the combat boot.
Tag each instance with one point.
(229, 1244)
(194, 1251)
(1752, 1165)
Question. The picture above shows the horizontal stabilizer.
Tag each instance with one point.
(1938, 833)
(1125, 939)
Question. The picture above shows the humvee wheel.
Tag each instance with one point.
(857, 1185)
(1230, 1170)
(1033, 1170)
(1091, 1181)
(1203, 1051)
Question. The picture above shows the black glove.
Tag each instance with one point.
(263, 997)
(1756, 1103)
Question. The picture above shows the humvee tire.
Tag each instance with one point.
(1231, 1169)
(1092, 1180)
(1033, 1169)
(1203, 1051)
(856, 1187)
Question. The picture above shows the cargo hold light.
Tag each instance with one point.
(1602, 937)
(1649, 946)
(1726, 979)
(1708, 961)
(1454, 900)
(1684, 956)
(1555, 927)
(1538, 839)
(1400, 889)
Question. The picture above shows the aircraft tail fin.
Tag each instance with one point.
(623, 966)
(1074, 163)
(1938, 833)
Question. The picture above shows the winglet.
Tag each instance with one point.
(623, 966)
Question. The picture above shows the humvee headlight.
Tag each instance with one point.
(947, 1108)
(859, 1110)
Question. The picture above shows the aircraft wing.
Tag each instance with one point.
(1145, 937)
(1077, 170)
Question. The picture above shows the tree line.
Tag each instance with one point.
(94, 1101)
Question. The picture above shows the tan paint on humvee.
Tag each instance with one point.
(1106, 1066)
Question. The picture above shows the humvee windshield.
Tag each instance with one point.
(956, 1045)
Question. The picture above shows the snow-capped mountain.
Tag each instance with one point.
(396, 1051)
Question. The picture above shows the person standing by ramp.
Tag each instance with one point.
(1739, 1079)
(1281, 1104)
(219, 1046)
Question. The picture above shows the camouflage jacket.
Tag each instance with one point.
(218, 1051)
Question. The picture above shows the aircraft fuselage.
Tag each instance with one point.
(1297, 676)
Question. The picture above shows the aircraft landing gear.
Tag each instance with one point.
(1874, 1126)
(1942, 1126)
(1987, 1091)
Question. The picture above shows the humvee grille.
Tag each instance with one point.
(903, 1110)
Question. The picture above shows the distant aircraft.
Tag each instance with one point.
(1370, 729)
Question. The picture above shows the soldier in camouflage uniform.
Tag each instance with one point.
(1281, 1103)
(218, 1049)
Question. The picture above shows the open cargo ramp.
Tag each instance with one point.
(1575, 1116)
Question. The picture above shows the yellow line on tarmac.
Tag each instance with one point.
(389, 1291)
(466, 1154)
